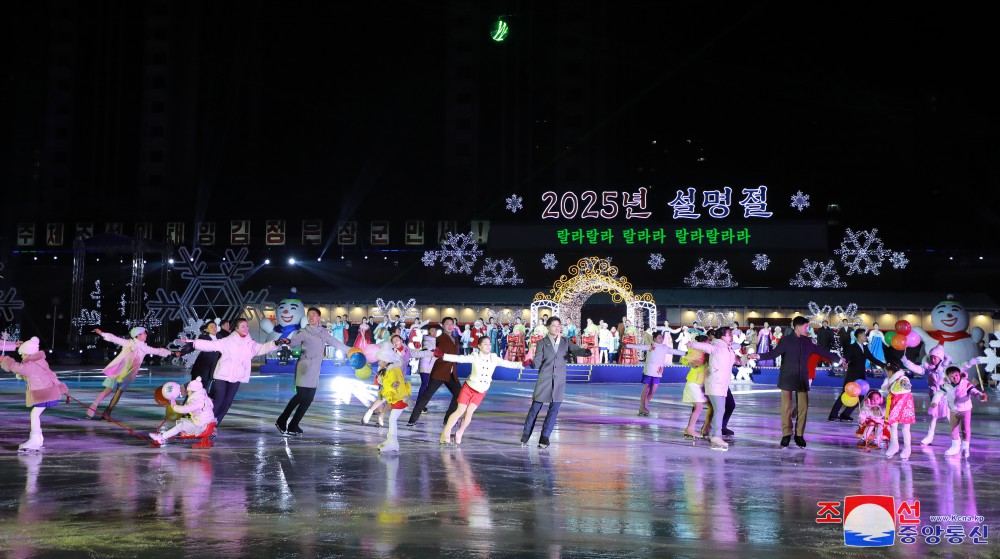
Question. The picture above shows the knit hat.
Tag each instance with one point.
(938, 351)
(29, 347)
(136, 331)
(195, 386)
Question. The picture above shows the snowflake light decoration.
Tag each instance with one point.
(207, 294)
(862, 252)
(761, 262)
(514, 203)
(656, 261)
(498, 272)
(9, 302)
(715, 319)
(384, 309)
(458, 253)
(549, 261)
(991, 359)
(817, 275)
(846, 317)
(800, 201)
(429, 258)
(711, 274)
(898, 260)
(817, 315)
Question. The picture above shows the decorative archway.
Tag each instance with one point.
(589, 276)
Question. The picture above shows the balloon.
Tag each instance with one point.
(357, 360)
(354, 350)
(913, 339)
(371, 353)
(853, 389)
(889, 336)
(903, 327)
(849, 400)
(899, 343)
(364, 372)
(863, 385)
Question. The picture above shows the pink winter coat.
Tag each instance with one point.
(126, 363)
(43, 386)
(720, 366)
(237, 352)
(199, 408)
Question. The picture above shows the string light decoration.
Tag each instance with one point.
(800, 201)
(715, 319)
(761, 262)
(498, 272)
(549, 261)
(817, 275)
(862, 252)
(818, 314)
(458, 254)
(711, 274)
(656, 261)
(90, 317)
(9, 302)
(592, 275)
(846, 317)
(515, 203)
(384, 309)
(898, 260)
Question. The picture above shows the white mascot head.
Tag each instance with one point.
(950, 316)
(290, 312)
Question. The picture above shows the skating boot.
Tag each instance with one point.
(719, 444)
(905, 454)
(33, 444)
(965, 448)
(388, 447)
(926, 441)
(158, 438)
(956, 447)
(893, 449)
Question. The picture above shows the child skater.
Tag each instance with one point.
(652, 371)
(899, 410)
(121, 371)
(474, 390)
(694, 388)
(958, 393)
(872, 430)
(395, 389)
(200, 413)
(391, 354)
(933, 368)
(44, 389)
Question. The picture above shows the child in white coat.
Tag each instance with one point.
(199, 410)
(958, 392)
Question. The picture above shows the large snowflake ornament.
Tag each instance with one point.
(458, 254)
(498, 272)
(761, 262)
(9, 302)
(817, 314)
(817, 275)
(846, 317)
(898, 260)
(208, 293)
(800, 201)
(656, 261)
(711, 274)
(514, 203)
(991, 359)
(862, 252)
(549, 261)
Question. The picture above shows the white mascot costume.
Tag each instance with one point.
(290, 315)
(950, 320)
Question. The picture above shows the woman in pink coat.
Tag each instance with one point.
(44, 389)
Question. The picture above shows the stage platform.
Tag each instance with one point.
(600, 374)
(611, 485)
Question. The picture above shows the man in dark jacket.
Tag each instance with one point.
(824, 336)
(793, 377)
(855, 355)
(442, 372)
(204, 363)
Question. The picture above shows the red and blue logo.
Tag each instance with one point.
(869, 521)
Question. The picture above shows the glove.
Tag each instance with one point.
(282, 341)
(438, 353)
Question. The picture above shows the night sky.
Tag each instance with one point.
(336, 111)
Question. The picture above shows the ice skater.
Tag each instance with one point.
(484, 362)
(958, 392)
(121, 371)
(694, 387)
(721, 358)
(44, 389)
(933, 370)
(199, 410)
(652, 371)
(900, 410)
(395, 390)
(871, 429)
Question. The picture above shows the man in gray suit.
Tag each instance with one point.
(550, 360)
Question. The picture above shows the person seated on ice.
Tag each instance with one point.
(44, 389)
(198, 408)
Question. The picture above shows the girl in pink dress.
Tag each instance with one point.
(364, 338)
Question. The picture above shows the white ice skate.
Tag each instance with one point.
(956, 447)
(926, 441)
(719, 444)
(905, 454)
(965, 448)
(158, 438)
(33, 444)
(389, 447)
(893, 449)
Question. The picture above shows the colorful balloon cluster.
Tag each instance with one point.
(359, 360)
(903, 337)
(853, 392)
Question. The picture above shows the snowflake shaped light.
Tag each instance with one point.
(656, 261)
(9, 302)
(384, 309)
(862, 252)
(846, 317)
(898, 260)
(498, 272)
(514, 203)
(715, 319)
(207, 293)
(458, 254)
(761, 262)
(817, 275)
(549, 261)
(429, 258)
(800, 201)
(818, 314)
(711, 274)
